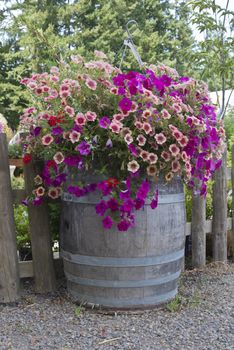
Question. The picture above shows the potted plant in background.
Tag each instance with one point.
(119, 144)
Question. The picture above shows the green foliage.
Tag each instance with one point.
(22, 226)
(175, 304)
(213, 58)
(229, 129)
(17, 183)
(79, 310)
(21, 218)
(54, 217)
(15, 151)
(188, 202)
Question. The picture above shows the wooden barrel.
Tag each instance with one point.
(134, 269)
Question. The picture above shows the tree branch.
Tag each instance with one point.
(226, 105)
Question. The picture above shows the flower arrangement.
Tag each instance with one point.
(127, 128)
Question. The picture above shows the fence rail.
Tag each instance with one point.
(43, 263)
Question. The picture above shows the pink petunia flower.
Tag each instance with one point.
(115, 127)
(91, 116)
(169, 176)
(125, 113)
(176, 108)
(172, 127)
(114, 91)
(133, 166)
(177, 134)
(166, 156)
(118, 117)
(64, 94)
(138, 125)
(125, 131)
(45, 88)
(141, 140)
(54, 78)
(147, 128)
(69, 110)
(174, 149)
(38, 180)
(53, 193)
(66, 135)
(80, 119)
(165, 114)
(160, 138)
(74, 136)
(134, 106)
(47, 139)
(151, 170)
(175, 166)
(40, 191)
(53, 94)
(184, 156)
(58, 157)
(144, 155)
(152, 158)
(147, 113)
(91, 84)
(128, 139)
(183, 141)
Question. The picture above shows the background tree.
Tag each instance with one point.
(214, 57)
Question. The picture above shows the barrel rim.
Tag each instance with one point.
(162, 199)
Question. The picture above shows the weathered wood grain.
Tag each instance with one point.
(40, 237)
(233, 202)
(9, 271)
(18, 196)
(198, 231)
(219, 222)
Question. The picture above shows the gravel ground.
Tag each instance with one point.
(200, 318)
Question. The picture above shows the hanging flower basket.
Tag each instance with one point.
(127, 127)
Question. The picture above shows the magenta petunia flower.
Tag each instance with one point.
(84, 148)
(57, 131)
(125, 104)
(104, 122)
(101, 208)
(112, 204)
(107, 222)
(123, 225)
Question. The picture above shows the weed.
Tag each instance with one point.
(79, 309)
(175, 304)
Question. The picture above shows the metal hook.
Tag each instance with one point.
(127, 29)
(129, 43)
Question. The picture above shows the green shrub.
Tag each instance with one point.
(15, 151)
(188, 202)
(22, 227)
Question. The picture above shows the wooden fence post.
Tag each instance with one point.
(43, 266)
(233, 202)
(9, 269)
(198, 232)
(219, 222)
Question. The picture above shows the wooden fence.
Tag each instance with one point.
(42, 265)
